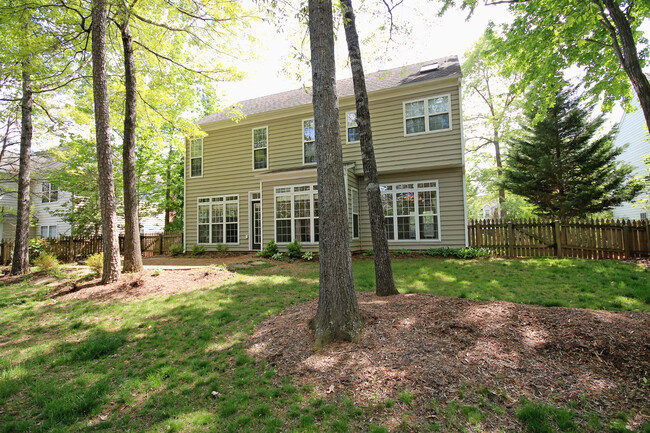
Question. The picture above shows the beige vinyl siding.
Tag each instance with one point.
(451, 212)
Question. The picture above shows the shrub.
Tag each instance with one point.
(294, 249)
(156, 272)
(197, 249)
(37, 246)
(46, 262)
(176, 249)
(269, 250)
(222, 248)
(278, 256)
(308, 255)
(96, 263)
(461, 253)
(403, 251)
(369, 252)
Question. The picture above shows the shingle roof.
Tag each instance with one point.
(447, 67)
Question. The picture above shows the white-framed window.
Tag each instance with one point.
(354, 198)
(218, 220)
(308, 141)
(351, 127)
(49, 192)
(427, 115)
(411, 210)
(196, 157)
(48, 231)
(261, 148)
(296, 214)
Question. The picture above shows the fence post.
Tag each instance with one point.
(511, 240)
(557, 235)
(626, 240)
(162, 241)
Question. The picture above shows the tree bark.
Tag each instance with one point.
(625, 49)
(338, 316)
(20, 261)
(132, 253)
(499, 163)
(168, 180)
(384, 281)
(110, 243)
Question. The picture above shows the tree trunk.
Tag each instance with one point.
(110, 242)
(628, 55)
(168, 180)
(132, 253)
(499, 163)
(20, 261)
(385, 284)
(338, 316)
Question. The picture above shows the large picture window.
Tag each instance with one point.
(49, 193)
(296, 214)
(427, 115)
(218, 220)
(260, 148)
(196, 157)
(309, 141)
(411, 211)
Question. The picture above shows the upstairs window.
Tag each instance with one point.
(427, 115)
(196, 157)
(308, 141)
(351, 127)
(50, 193)
(261, 148)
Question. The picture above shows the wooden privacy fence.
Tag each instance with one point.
(71, 248)
(591, 239)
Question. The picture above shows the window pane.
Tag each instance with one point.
(283, 207)
(196, 149)
(315, 205)
(259, 159)
(217, 213)
(413, 126)
(390, 229)
(428, 227)
(310, 152)
(406, 227)
(217, 233)
(405, 203)
(303, 230)
(316, 227)
(439, 121)
(353, 134)
(54, 194)
(427, 202)
(301, 206)
(259, 138)
(204, 233)
(283, 231)
(387, 201)
(413, 109)
(196, 167)
(44, 231)
(351, 119)
(439, 105)
(204, 214)
(355, 226)
(231, 233)
(53, 231)
(308, 130)
(231, 212)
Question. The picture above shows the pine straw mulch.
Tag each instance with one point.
(143, 285)
(434, 346)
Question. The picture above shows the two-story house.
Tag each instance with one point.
(253, 181)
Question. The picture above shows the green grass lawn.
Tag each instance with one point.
(176, 363)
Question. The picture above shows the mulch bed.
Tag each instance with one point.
(433, 345)
(143, 285)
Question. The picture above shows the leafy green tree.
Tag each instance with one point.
(599, 36)
(563, 167)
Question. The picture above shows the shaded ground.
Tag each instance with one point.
(435, 349)
(205, 259)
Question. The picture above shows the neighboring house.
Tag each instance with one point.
(46, 200)
(254, 181)
(633, 133)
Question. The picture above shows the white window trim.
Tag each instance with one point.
(302, 134)
(48, 231)
(313, 189)
(426, 115)
(190, 158)
(198, 204)
(354, 191)
(347, 127)
(253, 148)
(416, 189)
(250, 227)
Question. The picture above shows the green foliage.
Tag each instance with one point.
(294, 249)
(101, 345)
(369, 252)
(221, 248)
(278, 256)
(403, 251)
(156, 272)
(461, 253)
(542, 418)
(37, 246)
(96, 263)
(197, 249)
(269, 250)
(562, 167)
(308, 255)
(46, 262)
(176, 249)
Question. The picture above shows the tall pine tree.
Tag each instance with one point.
(563, 167)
